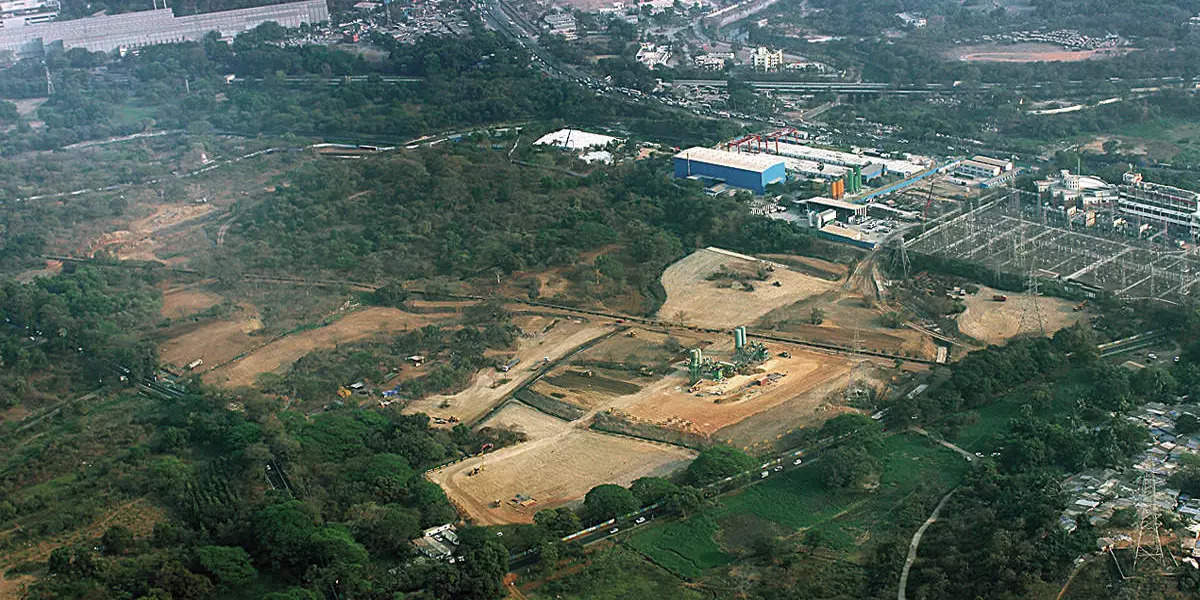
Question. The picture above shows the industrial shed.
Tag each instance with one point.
(752, 172)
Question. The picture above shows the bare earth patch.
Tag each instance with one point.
(489, 385)
(697, 301)
(994, 322)
(182, 302)
(1030, 52)
(213, 342)
(718, 405)
(553, 471)
(287, 350)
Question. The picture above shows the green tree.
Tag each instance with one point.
(649, 490)
(229, 565)
(117, 540)
(847, 466)
(560, 521)
(716, 463)
(1187, 424)
(816, 316)
(607, 501)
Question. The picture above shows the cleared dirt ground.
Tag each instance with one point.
(994, 322)
(533, 423)
(718, 405)
(849, 321)
(287, 350)
(554, 471)
(214, 342)
(184, 301)
(697, 301)
(1030, 52)
(488, 386)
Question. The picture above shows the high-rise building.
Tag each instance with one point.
(765, 59)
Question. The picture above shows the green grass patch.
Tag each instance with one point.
(992, 422)
(617, 573)
(798, 500)
(686, 547)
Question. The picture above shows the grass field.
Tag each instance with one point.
(798, 500)
(992, 421)
(616, 573)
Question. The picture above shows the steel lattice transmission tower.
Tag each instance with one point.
(1031, 287)
(1148, 532)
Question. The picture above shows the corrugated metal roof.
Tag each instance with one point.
(734, 160)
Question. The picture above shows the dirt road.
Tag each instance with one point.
(916, 540)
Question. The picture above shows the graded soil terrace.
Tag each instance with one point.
(214, 342)
(994, 322)
(286, 350)
(533, 423)
(1030, 52)
(693, 299)
(185, 301)
(554, 471)
(489, 386)
(714, 406)
(849, 321)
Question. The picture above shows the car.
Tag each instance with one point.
(797, 461)
(778, 468)
(639, 520)
(613, 530)
(764, 474)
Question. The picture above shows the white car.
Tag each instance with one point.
(797, 461)
(613, 530)
(764, 474)
(639, 520)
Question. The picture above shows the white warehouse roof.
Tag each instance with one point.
(573, 139)
(733, 160)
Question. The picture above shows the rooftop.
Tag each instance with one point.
(735, 160)
(575, 140)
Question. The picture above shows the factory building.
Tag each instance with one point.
(1082, 191)
(148, 27)
(847, 212)
(752, 172)
(983, 167)
(1167, 205)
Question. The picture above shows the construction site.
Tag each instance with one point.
(1010, 232)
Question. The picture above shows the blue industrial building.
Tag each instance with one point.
(752, 172)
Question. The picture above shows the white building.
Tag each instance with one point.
(652, 56)
(713, 61)
(1071, 189)
(562, 24)
(574, 139)
(18, 13)
(1164, 204)
(912, 20)
(767, 60)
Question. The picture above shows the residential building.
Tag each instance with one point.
(765, 59)
(713, 61)
(563, 24)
